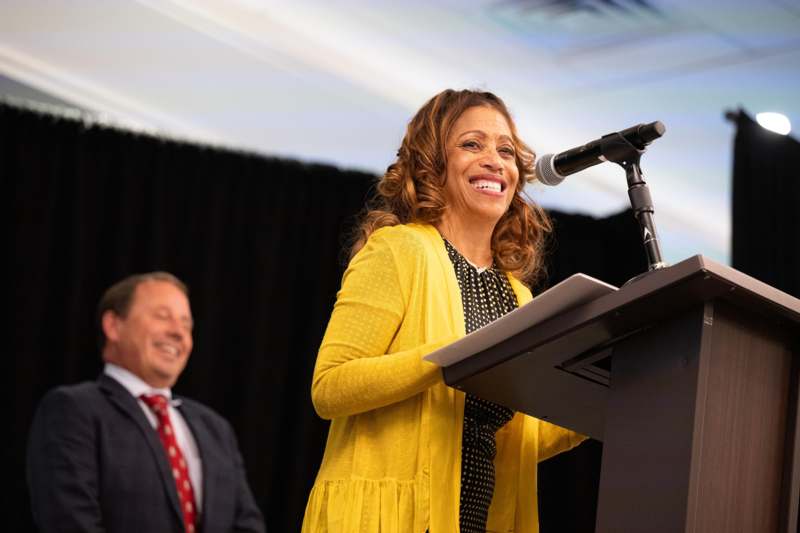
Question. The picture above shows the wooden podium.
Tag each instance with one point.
(689, 376)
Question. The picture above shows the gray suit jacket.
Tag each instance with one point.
(95, 464)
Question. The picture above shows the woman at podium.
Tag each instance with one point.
(440, 252)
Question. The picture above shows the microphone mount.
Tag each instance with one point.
(617, 149)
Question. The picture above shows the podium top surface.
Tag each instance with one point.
(561, 356)
(660, 294)
(717, 281)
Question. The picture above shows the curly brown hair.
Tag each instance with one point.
(412, 188)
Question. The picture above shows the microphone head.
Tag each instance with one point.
(647, 133)
(546, 170)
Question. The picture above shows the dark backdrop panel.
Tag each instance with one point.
(766, 205)
(259, 242)
(609, 249)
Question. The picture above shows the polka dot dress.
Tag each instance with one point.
(486, 295)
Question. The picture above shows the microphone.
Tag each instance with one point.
(552, 169)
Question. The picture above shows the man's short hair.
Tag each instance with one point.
(119, 296)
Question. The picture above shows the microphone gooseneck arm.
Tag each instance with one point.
(617, 149)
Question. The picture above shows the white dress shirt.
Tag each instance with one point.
(183, 434)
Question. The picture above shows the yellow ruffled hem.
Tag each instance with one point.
(367, 506)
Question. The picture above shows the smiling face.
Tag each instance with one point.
(481, 173)
(154, 339)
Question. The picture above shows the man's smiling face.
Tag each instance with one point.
(154, 339)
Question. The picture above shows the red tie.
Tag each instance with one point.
(158, 404)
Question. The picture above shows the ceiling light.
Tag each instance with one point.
(774, 122)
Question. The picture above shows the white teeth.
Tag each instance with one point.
(172, 350)
(487, 185)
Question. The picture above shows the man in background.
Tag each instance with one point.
(121, 454)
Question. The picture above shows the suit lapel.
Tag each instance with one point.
(122, 399)
(202, 439)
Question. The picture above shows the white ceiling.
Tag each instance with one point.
(337, 81)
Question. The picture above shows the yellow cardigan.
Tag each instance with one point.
(392, 461)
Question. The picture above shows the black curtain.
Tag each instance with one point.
(258, 240)
(766, 201)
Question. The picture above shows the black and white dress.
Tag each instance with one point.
(486, 295)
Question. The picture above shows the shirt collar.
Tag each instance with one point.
(455, 255)
(135, 385)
